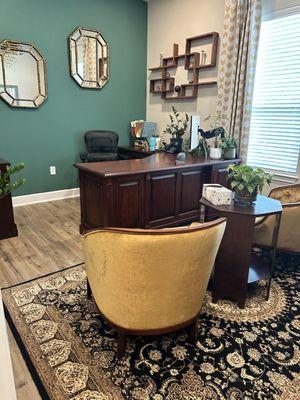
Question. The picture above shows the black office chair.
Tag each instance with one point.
(100, 146)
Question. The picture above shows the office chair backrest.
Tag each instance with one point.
(101, 141)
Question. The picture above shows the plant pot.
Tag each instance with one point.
(243, 197)
(215, 153)
(175, 146)
(230, 154)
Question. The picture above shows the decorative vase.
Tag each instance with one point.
(243, 197)
(230, 154)
(215, 153)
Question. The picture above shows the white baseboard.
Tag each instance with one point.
(46, 196)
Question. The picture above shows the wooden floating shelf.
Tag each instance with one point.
(191, 63)
(163, 82)
(180, 97)
(199, 84)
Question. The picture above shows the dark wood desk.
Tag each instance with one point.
(148, 192)
(236, 264)
(8, 228)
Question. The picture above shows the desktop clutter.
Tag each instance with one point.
(144, 135)
(212, 143)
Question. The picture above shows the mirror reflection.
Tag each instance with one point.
(22, 75)
(89, 58)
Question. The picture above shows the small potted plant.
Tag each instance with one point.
(229, 147)
(6, 186)
(246, 182)
(216, 122)
(176, 129)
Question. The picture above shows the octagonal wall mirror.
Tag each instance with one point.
(89, 58)
(22, 75)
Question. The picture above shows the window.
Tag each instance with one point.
(275, 120)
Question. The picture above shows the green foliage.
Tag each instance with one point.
(244, 177)
(228, 143)
(6, 186)
(202, 149)
(217, 122)
(177, 127)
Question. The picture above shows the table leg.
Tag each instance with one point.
(274, 249)
(233, 259)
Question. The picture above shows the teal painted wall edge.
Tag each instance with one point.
(53, 134)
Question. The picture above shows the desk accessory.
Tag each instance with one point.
(149, 129)
(217, 194)
(137, 128)
(152, 143)
(140, 144)
(180, 159)
(194, 131)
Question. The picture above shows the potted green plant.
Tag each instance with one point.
(6, 186)
(229, 147)
(246, 182)
(216, 122)
(177, 128)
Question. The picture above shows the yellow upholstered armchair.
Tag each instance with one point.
(289, 233)
(147, 282)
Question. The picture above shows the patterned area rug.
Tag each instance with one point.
(241, 354)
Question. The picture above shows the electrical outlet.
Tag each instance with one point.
(53, 170)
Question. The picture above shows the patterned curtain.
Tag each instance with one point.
(90, 62)
(237, 68)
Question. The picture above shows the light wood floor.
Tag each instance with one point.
(48, 241)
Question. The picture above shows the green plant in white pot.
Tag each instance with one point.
(246, 182)
(229, 147)
(216, 122)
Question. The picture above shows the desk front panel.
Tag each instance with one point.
(146, 200)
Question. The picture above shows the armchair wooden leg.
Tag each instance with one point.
(122, 339)
(193, 332)
(88, 292)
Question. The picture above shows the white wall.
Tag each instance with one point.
(172, 21)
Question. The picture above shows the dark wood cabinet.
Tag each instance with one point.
(8, 228)
(129, 199)
(160, 199)
(220, 173)
(149, 192)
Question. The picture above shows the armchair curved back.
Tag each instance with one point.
(286, 194)
(151, 279)
(289, 233)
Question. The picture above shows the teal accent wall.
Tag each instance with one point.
(53, 133)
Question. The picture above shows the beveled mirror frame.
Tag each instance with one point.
(17, 47)
(77, 34)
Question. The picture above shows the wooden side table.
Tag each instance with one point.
(236, 264)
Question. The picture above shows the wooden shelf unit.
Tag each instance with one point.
(191, 63)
